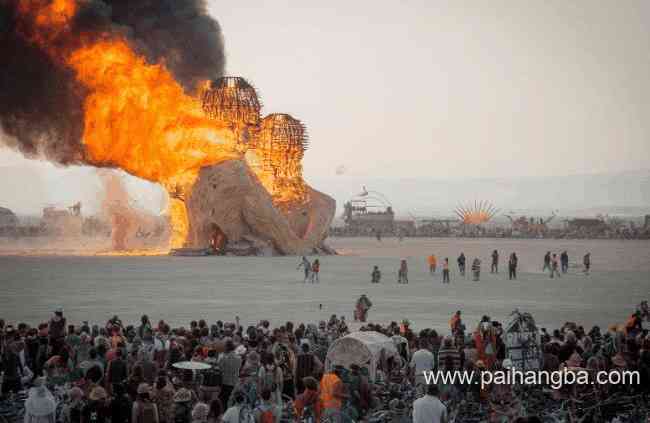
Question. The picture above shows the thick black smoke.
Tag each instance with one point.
(40, 101)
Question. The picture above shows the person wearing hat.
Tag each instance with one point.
(144, 410)
(183, 406)
(96, 410)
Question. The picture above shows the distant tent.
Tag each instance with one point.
(523, 342)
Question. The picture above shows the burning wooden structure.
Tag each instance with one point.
(276, 157)
(232, 99)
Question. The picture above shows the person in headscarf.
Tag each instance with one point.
(40, 406)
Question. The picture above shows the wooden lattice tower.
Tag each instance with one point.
(232, 99)
(281, 142)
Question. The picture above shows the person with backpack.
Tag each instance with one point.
(183, 406)
(267, 411)
(144, 410)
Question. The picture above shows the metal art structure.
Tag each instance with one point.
(232, 99)
(476, 214)
(369, 212)
(523, 342)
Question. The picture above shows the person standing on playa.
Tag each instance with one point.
(315, 269)
(586, 261)
(433, 262)
(403, 272)
(461, 264)
(306, 265)
(547, 262)
(495, 262)
(564, 261)
(476, 269)
(445, 270)
(512, 266)
(375, 275)
(555, 266)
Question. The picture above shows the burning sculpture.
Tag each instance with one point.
(131, 100)
(476, 214)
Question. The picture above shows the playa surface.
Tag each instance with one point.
(180, 289)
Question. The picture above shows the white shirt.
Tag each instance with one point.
(231, 415)
(421, 361)
(429, 409)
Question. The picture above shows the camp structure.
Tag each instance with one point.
(361, 348)
(523, 342)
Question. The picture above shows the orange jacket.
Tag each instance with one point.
(331, 389)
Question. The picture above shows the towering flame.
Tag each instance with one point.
(122, 97)
(136, 115)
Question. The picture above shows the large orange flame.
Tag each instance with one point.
(137, 116)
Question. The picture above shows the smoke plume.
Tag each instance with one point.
(41, 103)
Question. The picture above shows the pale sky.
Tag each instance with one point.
(434, 89)
(452, 88)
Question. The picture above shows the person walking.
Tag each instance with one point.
(586, 261)
(564, 261)
(495, 262)
(375, 275)
(445, 270)
(432, 264)
(315, 269)
(555, 267)
(461, 264)
(306, 265)
(512, 266)
(403, 273)
(476, 269)
(547, 262)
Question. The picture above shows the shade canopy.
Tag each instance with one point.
(361, 348)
